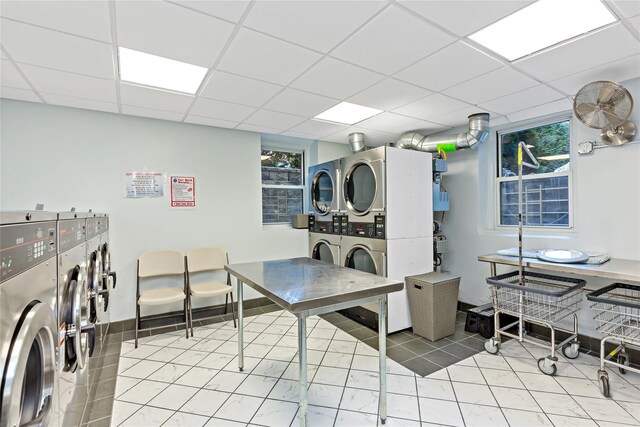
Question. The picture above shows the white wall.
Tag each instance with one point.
(66, 157)
(606, 201)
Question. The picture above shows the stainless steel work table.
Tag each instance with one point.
(307, 287)
(616, 269)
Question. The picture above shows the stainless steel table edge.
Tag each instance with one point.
(302, 343)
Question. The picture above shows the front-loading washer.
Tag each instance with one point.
(28, 337)
(76, 332)
(94, 277)
(324, 197)
(363, 185)
(108, 275)
(325, 247)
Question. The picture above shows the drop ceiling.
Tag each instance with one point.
(274, 65)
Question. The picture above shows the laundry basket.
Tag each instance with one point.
(433, 299)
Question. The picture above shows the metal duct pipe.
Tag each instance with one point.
(356, 142)
(476, 135)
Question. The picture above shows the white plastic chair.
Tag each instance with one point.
(156, 264)
(209, 260)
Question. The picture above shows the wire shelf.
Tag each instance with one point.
(617, 310)
(542, 297)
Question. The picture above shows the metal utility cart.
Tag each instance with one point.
(617, 308)
(536, 298)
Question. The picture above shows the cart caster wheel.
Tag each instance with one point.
(571, 350)
(492, 346)
(623, 359)
(547, 366)
(603, 380)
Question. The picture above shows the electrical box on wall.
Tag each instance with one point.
(440, 198)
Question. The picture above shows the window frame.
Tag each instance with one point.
(569, 174)
(302, 186)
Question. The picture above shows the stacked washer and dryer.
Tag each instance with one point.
(372, 211)
(53, 298)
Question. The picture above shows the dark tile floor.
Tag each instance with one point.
(412, 351)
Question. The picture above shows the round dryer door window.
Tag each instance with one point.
(322, 192)
(360, 188)
(322, 252)
(359, 259)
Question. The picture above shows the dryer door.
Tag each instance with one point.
(106, 273)
(364, 187)
(29, 379)
(326, 252)
(362, 258)
(323, 194)
(94, 285)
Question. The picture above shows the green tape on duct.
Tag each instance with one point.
(447, 147)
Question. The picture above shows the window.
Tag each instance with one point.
(546, 190)
(282, 185)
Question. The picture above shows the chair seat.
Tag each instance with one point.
(161, 296)
(210, 289)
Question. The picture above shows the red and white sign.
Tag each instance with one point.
(183, 191)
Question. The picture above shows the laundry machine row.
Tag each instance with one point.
(49, 283)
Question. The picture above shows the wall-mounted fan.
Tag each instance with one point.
(606, 106)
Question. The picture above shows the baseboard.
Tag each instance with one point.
(177, 317)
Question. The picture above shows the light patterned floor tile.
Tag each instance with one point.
(122, 410)
(477, 394)
(205, 402)
(182, 419)
(173, 397)
(239, 408)
(478, 415)
(148, 416)
(517, 418)
(440, 412)
(274, 413)
(255, 385)
(143, 392)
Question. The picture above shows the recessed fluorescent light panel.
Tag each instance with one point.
(347, 113)
(542, 24)
(156, 71)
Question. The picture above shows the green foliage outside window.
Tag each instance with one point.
(280, 159)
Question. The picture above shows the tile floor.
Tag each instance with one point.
(172, 381)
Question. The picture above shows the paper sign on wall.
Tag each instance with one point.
(183, 192)
(144, 184)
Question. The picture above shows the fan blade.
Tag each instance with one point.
(612, 118)
(609, 92)
(585, 108)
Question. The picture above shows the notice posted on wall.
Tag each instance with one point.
(144, 184)
(183, 191)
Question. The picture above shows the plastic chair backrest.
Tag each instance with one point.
(206, 259)
(160, 263)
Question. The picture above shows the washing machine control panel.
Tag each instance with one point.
(326, 227)
(373, 230)
(25, 245)
(71, 233)
(93, 227)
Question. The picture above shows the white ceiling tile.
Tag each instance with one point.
(229, 10)
(241, 90)
(264, 58)
(541, 110)
(528, 98)
(19, 94)
(494, 84)
(10, 77)
(392, 41)
(635, 22)
(84, 18)
(151, 113)
(47, 48)
(627, 7)
(459, 117)
(301, 103)
(274, 119)
(464, 17)
(427, 128)
(450, 66)
(70, 84)
(336, 79)
(317, 128)
(207, 121)
(618, 71)
(318, 25)
(389, 94)
(389, 122)
(171, 31)
(221, 110)
(85, 104)
(299, 134)
(260, 129)
(2, 55)
(139, 96)
(431, 106)
(599, 48)
(499, 121)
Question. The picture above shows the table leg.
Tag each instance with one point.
(382, 350)
(302, 355)
(240, 328)
(492, 266)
